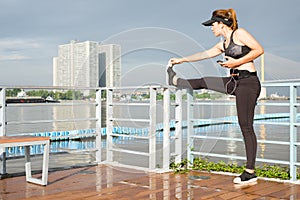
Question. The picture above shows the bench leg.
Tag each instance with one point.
(2, 163)
(27, 154)
(45, 163)
(28, 170)
(27, 162)
(44, 179)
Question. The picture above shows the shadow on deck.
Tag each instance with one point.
(107, 182)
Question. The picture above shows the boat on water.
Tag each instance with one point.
(23, 98)
(51, 100)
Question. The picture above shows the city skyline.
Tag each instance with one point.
(149, 32)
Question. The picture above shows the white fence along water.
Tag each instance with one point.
(149, 131)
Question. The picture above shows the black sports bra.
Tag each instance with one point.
(234, 50)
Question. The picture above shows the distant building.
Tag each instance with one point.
(87, 64)
(110, 65)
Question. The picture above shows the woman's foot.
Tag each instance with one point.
(171, 74)
(245, 178)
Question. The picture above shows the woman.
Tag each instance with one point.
(240, 50)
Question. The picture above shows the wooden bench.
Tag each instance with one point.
(27, 141)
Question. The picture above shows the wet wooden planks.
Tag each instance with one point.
(106, 182)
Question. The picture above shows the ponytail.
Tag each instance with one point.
(234, 24)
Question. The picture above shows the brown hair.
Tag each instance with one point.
(228, 14)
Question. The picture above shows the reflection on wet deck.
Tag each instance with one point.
(108, 182)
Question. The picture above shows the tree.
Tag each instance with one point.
(12, 93)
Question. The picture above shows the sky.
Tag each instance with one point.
(149, 32)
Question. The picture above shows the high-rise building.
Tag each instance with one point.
(87, 64)
(110, 65)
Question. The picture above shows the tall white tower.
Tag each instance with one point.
(85, 64)
(263, 92)
(110, 65)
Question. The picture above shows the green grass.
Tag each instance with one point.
(267, 171)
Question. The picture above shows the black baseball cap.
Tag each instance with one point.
(213, 19)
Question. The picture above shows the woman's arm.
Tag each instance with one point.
(245, 38)
(214, 51)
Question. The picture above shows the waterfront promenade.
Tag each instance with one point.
(153, 149)
(108, 182)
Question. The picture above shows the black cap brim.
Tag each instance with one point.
(209, 22)
(217, 19)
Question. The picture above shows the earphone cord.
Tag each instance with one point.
(234, 88)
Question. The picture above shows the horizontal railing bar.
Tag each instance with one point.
(49, 121)
(130, 120)
(257, 121)
(54, 87)
(130, 151)
(216, 121)
(30, 104)
(74, 136)
(48, 104)
(133, 136)
(75, 151)
(272, 123)
(217, 138)
(129, 104)
(281, 83)
(139, 87)
(273, 142)
(296, 124)
(273, 161)
(233, 104)
(215, 103)
(272, 104)
(239, 139)
(239, 157)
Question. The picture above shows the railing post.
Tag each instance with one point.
(293, 132)
(178, 126)
(152, 131)
(190, 131)
(166, 132)
(98, 125)
(2, 130)
(109, 125)
(2, 111)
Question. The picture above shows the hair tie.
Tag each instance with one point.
(229, 14)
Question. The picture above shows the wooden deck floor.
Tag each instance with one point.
(107, 182)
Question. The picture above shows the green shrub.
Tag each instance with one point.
(267, 171)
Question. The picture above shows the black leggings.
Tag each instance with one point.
(246, 91)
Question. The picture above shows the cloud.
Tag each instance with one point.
(17, 49)
(13, 57)
(33, 43)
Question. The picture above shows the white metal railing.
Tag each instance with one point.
(293, 124)
(5, 122)
(168, 106)
(151, 135)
